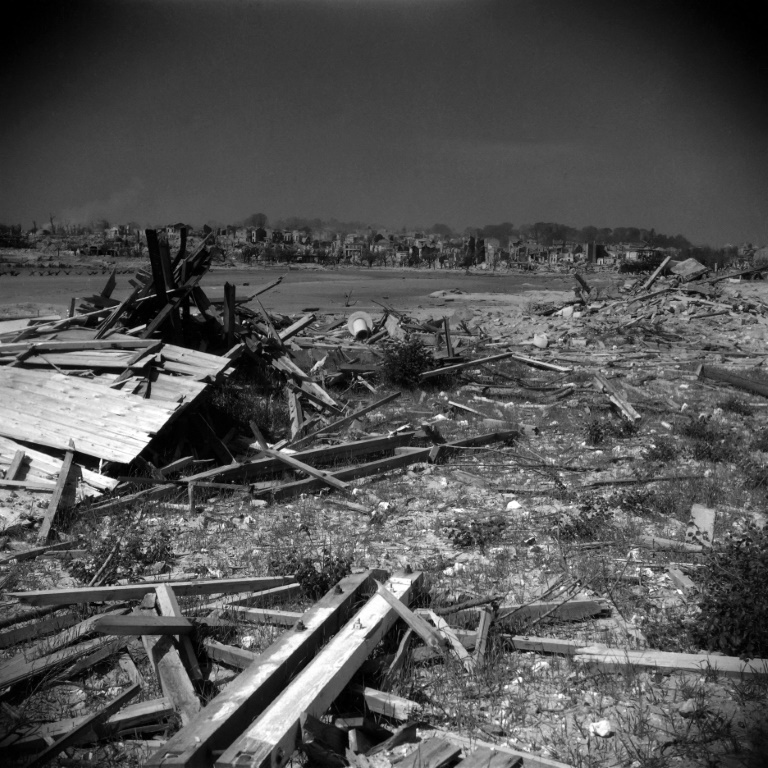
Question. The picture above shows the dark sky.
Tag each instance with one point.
(395, 112)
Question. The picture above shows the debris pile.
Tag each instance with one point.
(111, 406)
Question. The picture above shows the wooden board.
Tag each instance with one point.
(273, 737)
(137, 591)
(229, 713)
(46, 409)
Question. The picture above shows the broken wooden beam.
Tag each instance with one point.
(741, 382)
(137, 591)
(621, 659)
(229, 713)
(164, 656)
(58, 494)
(272, 738)
(168, 606)
(339, 423)
(617, 398)
(88, 724)
(143, 625)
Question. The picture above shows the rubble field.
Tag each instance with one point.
(472, 527)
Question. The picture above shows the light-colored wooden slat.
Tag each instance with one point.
(168, 606)
(273, 737)
(42, 466)
(229, 654)
(14, 470)
(174, 680)
(229, 713)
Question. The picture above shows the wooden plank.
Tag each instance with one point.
(273, 737)
(387, 704)
(294, 412)
(37, 629)
(137, 591)
(483, 627)
(14, 470)
(45, 664)
(618, 659)
(229, 713)
(143, 625)
(265, 615)
(487, 757)
(88, 724)
(46, 646)
(58, 494)
(230, 303)
(573, 610)
(297, 327)
(493, 358)
(652, 279)
(168, 605)
(155, 260)
(287, 490)
(252, 598)
(617, 398)
(433, 752)
(445, 628)
(174, 680)
(229, 654)
(529, 759)
(681, 581)
(30, 485)
(339, 423)
(132, 716)
(294, 463)
(431, 638)
(327, 454)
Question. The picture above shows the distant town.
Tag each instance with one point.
(314, 241)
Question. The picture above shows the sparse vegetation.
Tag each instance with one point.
(405, 360)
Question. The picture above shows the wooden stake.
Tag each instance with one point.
(58, 493)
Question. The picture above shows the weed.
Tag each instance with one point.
(734, 601)
(663, 449)
(759, 440)
(710, 441)
(736, 405)
(588, 523)
(127, 551)
(595, 432)
(315, 575)
(405, 360)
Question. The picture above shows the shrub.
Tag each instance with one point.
(663, 449)
(735, 405)
(405, 360)
(710, 441)
(588, 523)
(315, 575)
(127, 553)
(734, 597)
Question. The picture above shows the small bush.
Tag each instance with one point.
(137, 547)
(405, 360)
(588, 523)
(760, 440)
(736, 405)
(595, 432)
(710, 441)
(663, 449)
(734, 597)
(315, 575)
